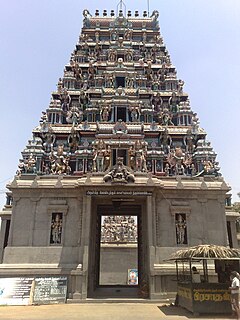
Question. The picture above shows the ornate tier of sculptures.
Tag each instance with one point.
(119, 94)
(115, 229)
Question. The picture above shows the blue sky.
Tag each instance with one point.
(203, 39)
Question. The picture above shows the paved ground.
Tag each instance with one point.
(94, 311)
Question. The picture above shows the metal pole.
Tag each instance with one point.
(177, 270)
(148, 7)
(190, 266)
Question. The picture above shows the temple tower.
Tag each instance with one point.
(118, 174)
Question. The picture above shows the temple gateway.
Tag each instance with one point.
(118, 174)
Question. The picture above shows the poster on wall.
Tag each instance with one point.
(16, 291)
(133, 277)
(50, 290)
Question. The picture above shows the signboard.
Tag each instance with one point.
(132, 277)
(50, 290)
(212, 300)
(16, 291)
(117, 193)
(205, 297)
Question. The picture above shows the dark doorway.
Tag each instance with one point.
(117, 255)
(6, 236)
(120, 82)
(119, 153)
(229, 232)
(121, 114)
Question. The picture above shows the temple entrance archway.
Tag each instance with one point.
(117, 260)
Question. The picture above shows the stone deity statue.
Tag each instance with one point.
(181, 229)
(56, 230)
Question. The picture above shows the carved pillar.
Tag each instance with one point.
(204, 228)
(234, 233)
(77, 283)
(32, 222)
(2, 237)
(14, 206)
(81, 274)
(151, 223)
(221, 201)
(3, 234)
(79, 220)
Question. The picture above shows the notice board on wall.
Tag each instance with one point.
(50, 290)
(16, 291)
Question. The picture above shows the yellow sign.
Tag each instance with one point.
(210, 295)
(185, 293)
(215, 295)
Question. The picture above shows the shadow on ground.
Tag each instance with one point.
(171, 310)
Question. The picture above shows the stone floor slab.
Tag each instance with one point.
(107, 311)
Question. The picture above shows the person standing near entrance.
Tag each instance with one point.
(235, 284)
(195, 275)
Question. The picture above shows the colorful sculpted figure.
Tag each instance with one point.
(98, 157)
(30, 166)
(59, 161)
(74, 115)
(105, 113)
(107, 158)
(49, 139)
(189, 141)
(86, 17)
(73, 139)
(134, 114)
(131, 156)
(66, 100)
(119, 173)
(165, 118)
(174, 103)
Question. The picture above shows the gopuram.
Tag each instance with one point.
(118, 174)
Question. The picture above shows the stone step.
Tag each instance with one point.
(121, 300)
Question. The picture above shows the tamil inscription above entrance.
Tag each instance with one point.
(117, 193)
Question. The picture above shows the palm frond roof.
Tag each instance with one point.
(208, 251)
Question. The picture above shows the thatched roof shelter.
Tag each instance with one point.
(206, 251)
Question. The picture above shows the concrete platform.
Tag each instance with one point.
(104, 311)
